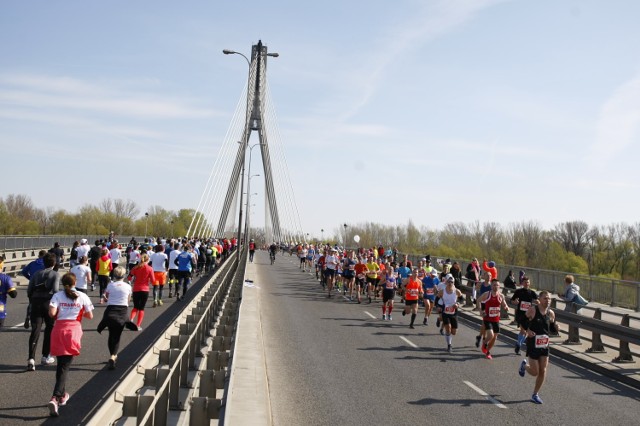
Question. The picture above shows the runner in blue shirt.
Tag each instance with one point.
(7, 288)
(429, 287)
(185, 262)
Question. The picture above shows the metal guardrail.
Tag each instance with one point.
(622, 332)
(622, 293)
(170, 384)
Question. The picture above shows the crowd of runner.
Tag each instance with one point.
(117, 275)
(139, 270)
(375, 274)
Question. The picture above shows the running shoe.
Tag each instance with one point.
(438, 322)
(449, 348)
(160, 303)
(404, 313)
(411, 326)
(523, 368)
(484, 349)
(112, 364)
(27, 322)
(517, 349)
(442, 331)
(47, 360)
(478, 341)
(489, 356)
(389, 317)
(62, 400)
(155, 303)
(536, 398)
(384, 317)
(425, 321)
(170, 295)
(31, 365)
(53, 407)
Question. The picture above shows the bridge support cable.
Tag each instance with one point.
(282, 177)
(210, 199)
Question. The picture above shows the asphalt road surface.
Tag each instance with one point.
(333, 362)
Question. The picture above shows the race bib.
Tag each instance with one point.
(494, 311)
(542, 341)
(430, 291)
(413, 292)
(450, 310)
(389, 286)
(360, 276)
(524, 306)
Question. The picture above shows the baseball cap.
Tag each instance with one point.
(83, 241)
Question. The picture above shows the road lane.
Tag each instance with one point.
(24, 395)
(334, 362)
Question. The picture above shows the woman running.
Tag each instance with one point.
(118, 295)
(68, 306)
(142, 275)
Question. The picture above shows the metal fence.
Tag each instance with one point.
(20, 242)
(625, 294)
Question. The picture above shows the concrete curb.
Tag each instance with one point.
(248, 400)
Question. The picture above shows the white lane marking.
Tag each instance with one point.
(486, 395)
(18, 325)
(409, 342)
(372, 316)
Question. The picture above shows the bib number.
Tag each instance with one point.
(430, 291)
(494, 311)
(413, 292)
(524, 306)
(542, 341)
(450, 310)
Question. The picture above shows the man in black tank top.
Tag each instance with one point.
(538, 330)
(523, 299)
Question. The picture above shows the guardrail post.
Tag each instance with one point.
(637, 297)
(203, 410)
(614, 300)
(574, 331)
(596, 341)
(625, 352)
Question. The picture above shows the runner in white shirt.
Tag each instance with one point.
(173, 268)
(68, 307)
(82, 273)
(159, 261)
(115, 254)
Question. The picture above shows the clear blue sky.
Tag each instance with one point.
(434, 111)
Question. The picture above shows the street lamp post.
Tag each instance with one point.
(322, 235)
(171, 236)
(245, 139)
(146, 223)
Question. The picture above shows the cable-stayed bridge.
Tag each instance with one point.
(225, 205)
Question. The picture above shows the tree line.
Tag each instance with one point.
(19, 216)
(611, 251)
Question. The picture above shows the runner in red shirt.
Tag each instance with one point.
(493, 300)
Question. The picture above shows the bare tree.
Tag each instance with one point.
(572, 236)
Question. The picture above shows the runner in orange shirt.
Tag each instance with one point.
(412, 291)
